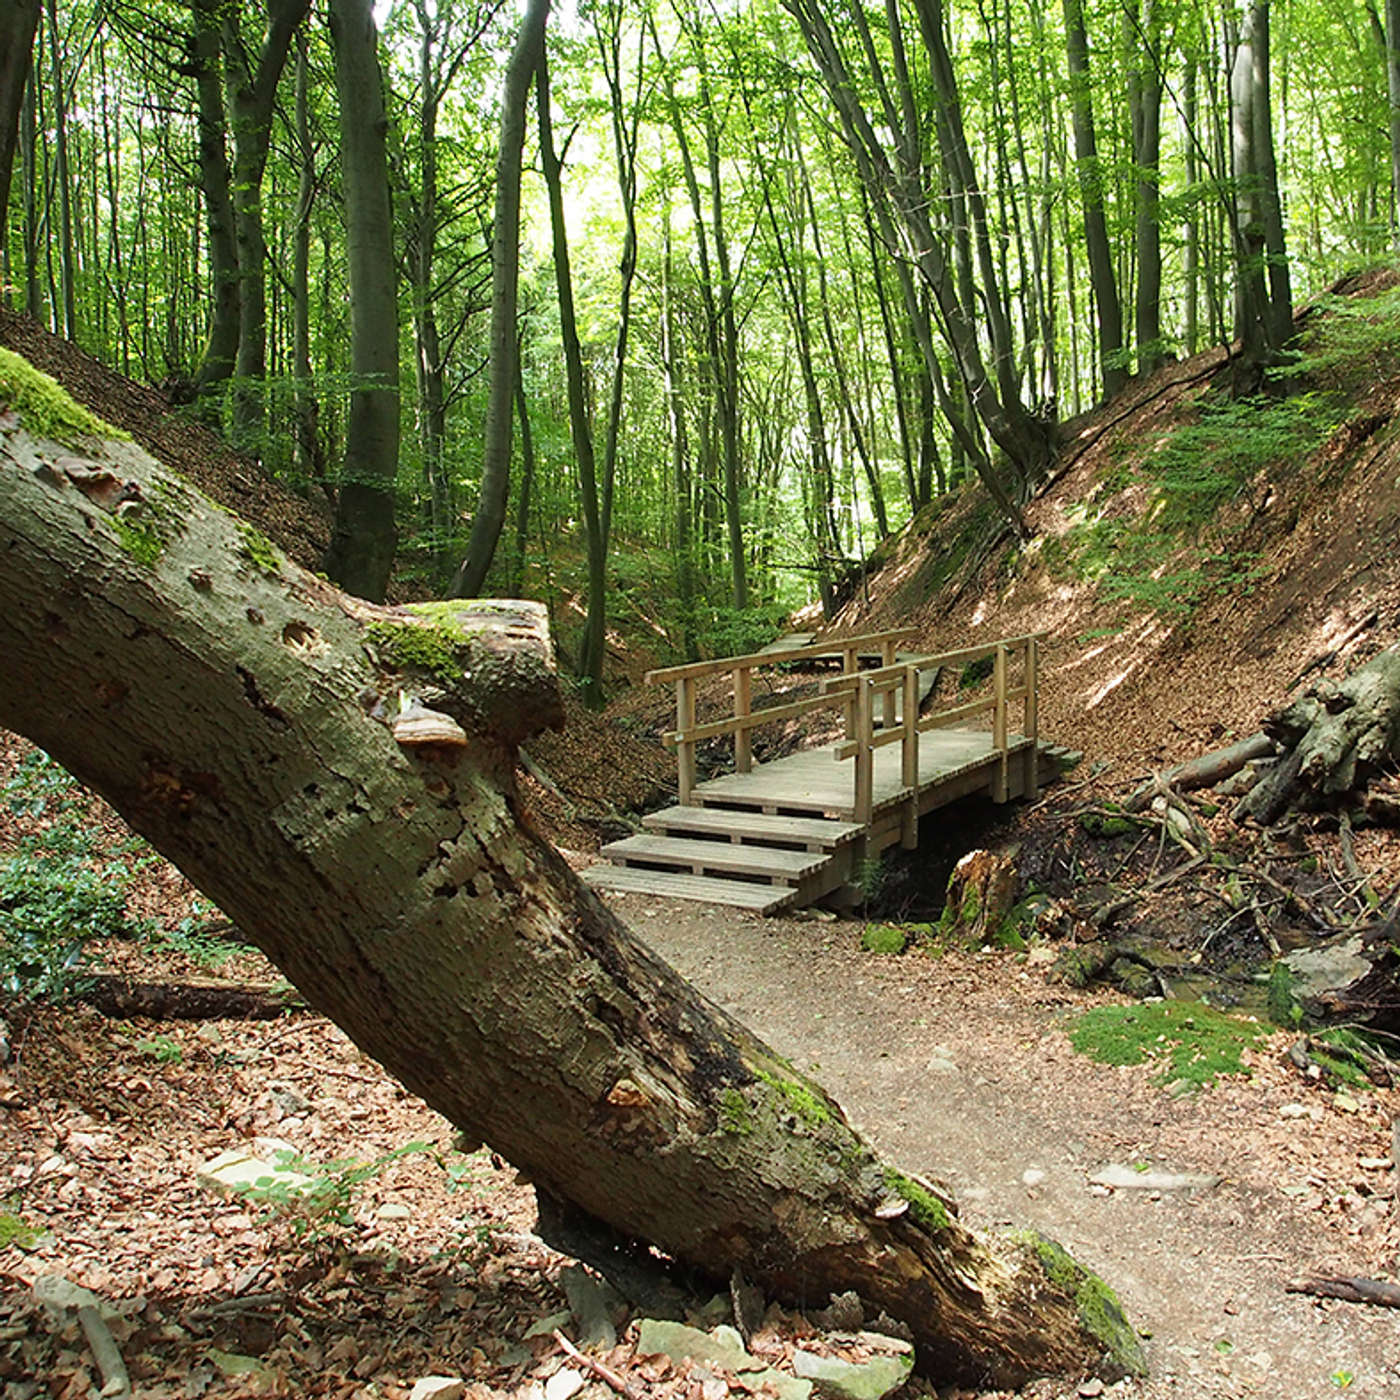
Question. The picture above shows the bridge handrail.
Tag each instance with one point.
(688, 733)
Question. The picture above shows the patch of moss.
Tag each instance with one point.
(1194, 1043)
(1280, 998)
(1346, 1058)
(884, 938)
(1105, 828)
(139, 538)
(1100, 1312)
(734, 1115)
(45, 407)
(418, 647)
(804, 1099)
(258, 550)
(924, 1207)
(16, 1230)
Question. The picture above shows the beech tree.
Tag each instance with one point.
(338, 777)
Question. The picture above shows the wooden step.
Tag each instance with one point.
(768, 862)
(811, 833)
(739, 894)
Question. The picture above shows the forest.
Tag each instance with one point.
(426, 372)
(679, 310)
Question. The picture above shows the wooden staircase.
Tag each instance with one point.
(745, 858)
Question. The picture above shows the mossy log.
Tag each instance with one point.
(242, 715)
(1333, 740)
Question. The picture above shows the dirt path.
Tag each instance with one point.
(958, 1067)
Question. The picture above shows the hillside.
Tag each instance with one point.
(1289, 553)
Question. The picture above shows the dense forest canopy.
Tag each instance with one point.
(780, 273)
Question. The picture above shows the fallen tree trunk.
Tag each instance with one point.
(338, 777)
(1334, 739)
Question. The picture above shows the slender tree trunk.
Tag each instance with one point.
(580, 425)
(361, 551)
(18, 21)
(392, 883)
(1091, 186)
(216, 182)
(1191, 231)
(527, 481)
(1146, 104)
(309, 463)
(62, 178)
(680, 452)
(505, 280)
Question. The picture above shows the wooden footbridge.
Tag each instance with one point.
(784, 833)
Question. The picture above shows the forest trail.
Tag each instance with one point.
(958, 1068)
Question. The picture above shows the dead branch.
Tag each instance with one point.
(1349, 1290)
(1205, 771)
(199, 999)
(596, 1368)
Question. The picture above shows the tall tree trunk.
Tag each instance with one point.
(680, 451)
(63, 178)
(18, 21)
(1146, 106)
(393, 884)
(505, 281)
(252, 89)
(1102, 281)
(361, 551)
(307, 457)
(580, 425)
(216, 182)
(1191, 231)
(1390, 47)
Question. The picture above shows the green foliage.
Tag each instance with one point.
(55, 894)
(162, 1049)
(47, 409)
(319, 1206)
(1349, 342)
(1347, 1056)
(1161, 561)
(1193, 1043)
(199, 936)
(727, 631)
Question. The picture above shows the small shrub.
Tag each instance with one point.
(884, 938)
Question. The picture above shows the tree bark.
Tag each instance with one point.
(361, 551)
(241, 714)
(505, 282)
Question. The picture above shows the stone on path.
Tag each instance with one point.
(239, 1170)
(596, 1306)
(852, 1380)
(438, 1388)
(722, 1347)
(1121, 1177)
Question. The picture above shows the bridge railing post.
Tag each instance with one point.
(685, 746)
(1032, 716)
(743, 707)
(909, 759)
(865, 753)
(887, 650)
(999, 726)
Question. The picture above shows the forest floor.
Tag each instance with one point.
(957, 1065)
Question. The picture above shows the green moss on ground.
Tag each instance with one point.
(1281, 1000)
(16, 1230)
(924, 1207)
(1098, 1307)
(884, 938)
(45, 407)
(1194, 1043)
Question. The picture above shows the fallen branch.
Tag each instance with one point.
(1205, 771)
(1326, 658)
(199, 999)
(1106, 913)
(596, 1368)
(1349, 1290)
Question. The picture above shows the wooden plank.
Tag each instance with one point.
(718, 727)
(702, 856)
(810, 832)
(762, 899)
